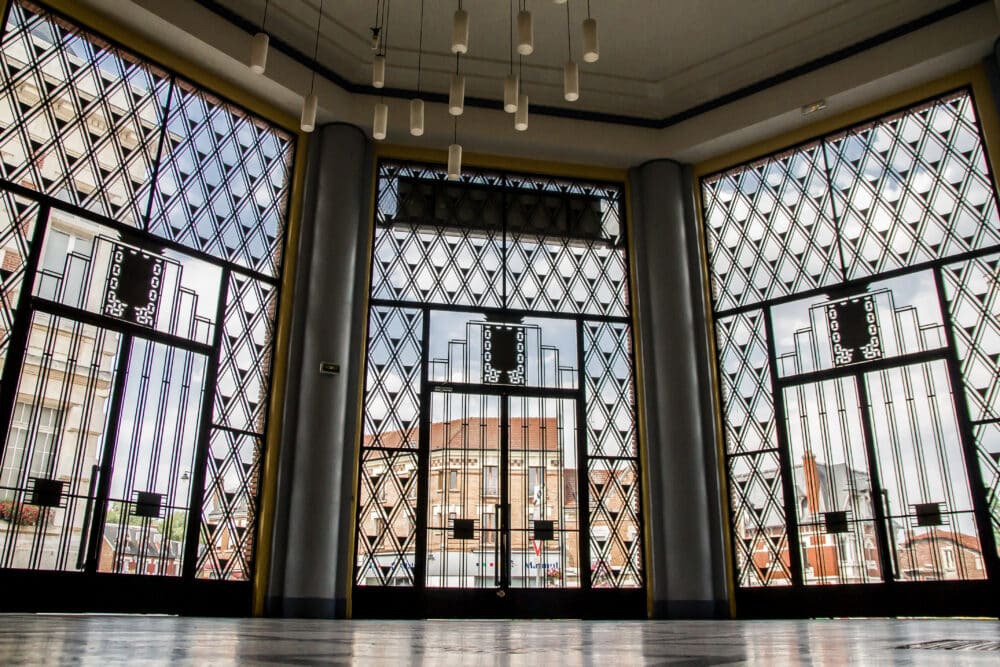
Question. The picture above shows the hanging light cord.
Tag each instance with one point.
(420, 48)
(569, 35)
(588, 9)
(319, 23)
(512, 36)
(264, 20)
(385, 27)
(454, 130)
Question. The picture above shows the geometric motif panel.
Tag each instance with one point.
(913, 187)
(746, 383)
(223, 182)
(615, 544)
(245, 354)
(972, 290)
(229, 509)
(770, 229)
(392, 384)
(609, 392)
(80, 119)
(17, 222)
(133, 288)
(386, 518)
(988, 446)
(760, 535)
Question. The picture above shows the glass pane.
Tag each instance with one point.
(464, 440)
(610, 395)
(746, 383)
(760, 532)
(615, 542)
(927, 496)
(387, 511)
(833, 495)
(57, 434)
(988, 445)
(153, 461)
(543, 493)
(392, 377)
(17, 224)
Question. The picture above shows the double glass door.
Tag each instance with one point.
(502, 500)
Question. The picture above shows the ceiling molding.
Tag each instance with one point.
(881, 38)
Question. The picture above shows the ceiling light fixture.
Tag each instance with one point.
(417, 104)
(454, 155)
(521, 115)
(380, 119)
(571, 73)
(258, 47)
(525, 32)
(456, 92)
(591, 52)
(460, 30)
(307, 122)
(511, 83)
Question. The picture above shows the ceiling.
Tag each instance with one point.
(660, 60)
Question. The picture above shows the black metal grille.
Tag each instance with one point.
(857, 358)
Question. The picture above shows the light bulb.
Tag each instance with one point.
(381, 122)
(571, 81)
(460, 32)
(525, 34)
(416, 117)
(258, 53)
(510, 86)
(378, 71)
(308, 121)
(521, 117)
(454, 162)
(456, 95)
(590, 45)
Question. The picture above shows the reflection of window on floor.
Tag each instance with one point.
(491, 479)
(41, 457)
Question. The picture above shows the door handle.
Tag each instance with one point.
(81, 555)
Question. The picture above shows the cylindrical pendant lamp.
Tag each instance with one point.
(521, 117)
(510, 90)
(571, 81)
(454, 162)
(378, 71)
(308, 121)
(456, 95)
(258, 53)
(525, 34)
(460, 32)
(381, 123)
(590, 45)
(416, 117)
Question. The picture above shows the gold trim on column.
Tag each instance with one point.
(989, 121)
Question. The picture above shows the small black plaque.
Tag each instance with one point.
(503, 354)
(836, 522)
(854, 330)
(928, 514)
(464, 529)
(46, 492)
(544, 530)
(134, 285)
(148, 504)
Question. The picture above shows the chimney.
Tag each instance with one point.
(810, 474)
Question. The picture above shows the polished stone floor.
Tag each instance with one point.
(106, 640)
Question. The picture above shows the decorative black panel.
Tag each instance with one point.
(464, 529)
(46, 493)
(835, 522)
(503, 354)
(147, 504)
(854, 330)
(928, 514)
(543, 530)
(134, 283)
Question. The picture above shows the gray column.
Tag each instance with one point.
(687, 571)
(310, 568)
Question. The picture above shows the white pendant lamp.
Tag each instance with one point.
(460, 31)
(590, 45)
(417, 117)
(521, 116)
(525, 33)
(378, 71)
(307, 123)
(258, 53)
(454, 162)
(571, 81)
(456, 95)
(381, 122)
(510, 88)
(560, 2)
